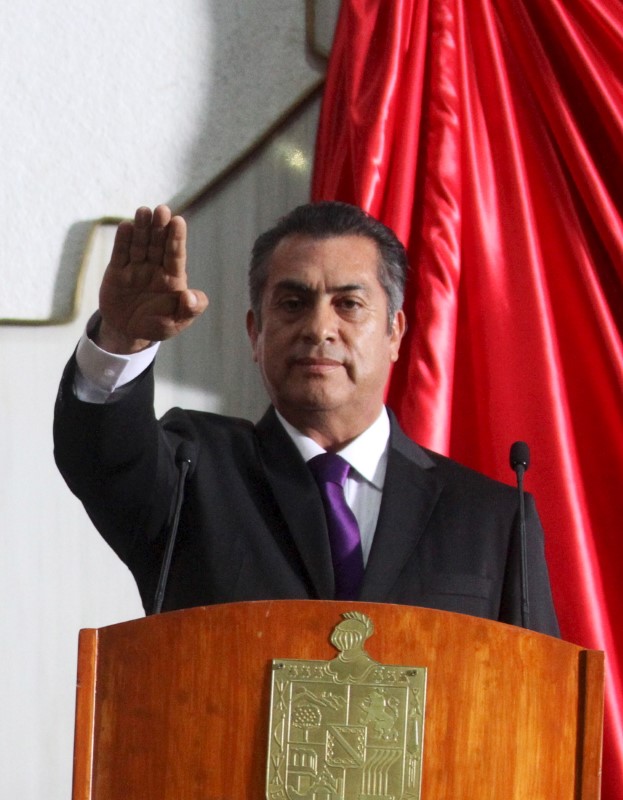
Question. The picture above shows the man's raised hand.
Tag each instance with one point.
(144, 296)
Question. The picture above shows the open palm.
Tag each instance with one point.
(144, 295)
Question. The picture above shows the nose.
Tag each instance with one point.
(320, 323)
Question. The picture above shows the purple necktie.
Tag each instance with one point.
(330, 471)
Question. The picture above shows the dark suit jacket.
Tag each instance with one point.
(252, 525)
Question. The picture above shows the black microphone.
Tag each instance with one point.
(520, 461)
(184, 460)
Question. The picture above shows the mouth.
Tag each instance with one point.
(316, 365)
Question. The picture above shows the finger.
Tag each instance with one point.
(158, 234)
(157, 240)
(121, 246)
(174, 261)
(140, 235)
(162, 215)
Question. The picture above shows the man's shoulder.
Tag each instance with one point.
(468, 475)
(448, 471)
(207, 422)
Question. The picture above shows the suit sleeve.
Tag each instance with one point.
(117, 462)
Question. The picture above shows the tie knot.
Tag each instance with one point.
(329, 468)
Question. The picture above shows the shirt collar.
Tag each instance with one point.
(367, 454)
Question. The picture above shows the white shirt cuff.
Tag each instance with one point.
(101, 374)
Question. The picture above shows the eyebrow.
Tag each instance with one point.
(290, 284)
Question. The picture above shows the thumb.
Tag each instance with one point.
(191, 303)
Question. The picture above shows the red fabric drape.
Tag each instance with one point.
(489, 135)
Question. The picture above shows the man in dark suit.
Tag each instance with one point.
(326, 286)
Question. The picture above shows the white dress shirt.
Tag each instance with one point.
(367, 455)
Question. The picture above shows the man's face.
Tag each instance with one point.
(324, 346)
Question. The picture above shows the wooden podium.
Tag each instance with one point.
(176, 706)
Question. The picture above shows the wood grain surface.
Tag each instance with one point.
(176, 706)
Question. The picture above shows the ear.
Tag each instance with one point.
(253, 332)
(399, 326)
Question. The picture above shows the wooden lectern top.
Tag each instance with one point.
(176, 706)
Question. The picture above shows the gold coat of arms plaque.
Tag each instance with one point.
(346, 729)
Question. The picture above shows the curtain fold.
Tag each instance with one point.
(489, 135)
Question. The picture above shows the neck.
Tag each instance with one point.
(330, 432)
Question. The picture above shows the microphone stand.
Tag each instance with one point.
(184, 461)
(520, 461)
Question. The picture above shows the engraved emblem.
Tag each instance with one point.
(346, 729)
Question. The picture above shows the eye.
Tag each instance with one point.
(291, 304)
(348, 304)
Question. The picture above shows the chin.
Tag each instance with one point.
(312, 402)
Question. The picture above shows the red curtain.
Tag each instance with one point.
(489, 135)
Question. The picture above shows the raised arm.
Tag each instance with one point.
(144, 296)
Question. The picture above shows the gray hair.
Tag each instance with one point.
(322, 221)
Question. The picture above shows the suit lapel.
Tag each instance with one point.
(411, 492)
(299, 501)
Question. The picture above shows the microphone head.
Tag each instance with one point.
(519, 456)
(186, 452)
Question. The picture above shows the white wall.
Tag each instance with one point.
(110, 102)
(111, 106)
